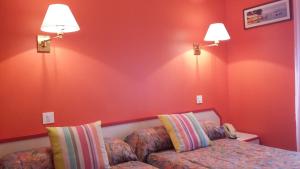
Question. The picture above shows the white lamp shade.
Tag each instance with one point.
(216, 32)
(59, 19)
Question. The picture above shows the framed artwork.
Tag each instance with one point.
(272, 12)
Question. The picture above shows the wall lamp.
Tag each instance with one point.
(216, 32)
(58, 19)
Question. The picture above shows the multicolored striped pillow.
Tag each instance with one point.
(185, 131)
(78, 147)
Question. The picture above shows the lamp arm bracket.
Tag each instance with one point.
(43, 42)
(197, 47)
(58, 36)
(210, 45)
(206, 45)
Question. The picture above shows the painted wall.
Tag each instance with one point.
(130, 59)
(261, 77)
(297, 68)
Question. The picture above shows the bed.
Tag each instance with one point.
(227, 154)
(154, 146)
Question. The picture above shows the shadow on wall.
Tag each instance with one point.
(64, 68)
(65, 78)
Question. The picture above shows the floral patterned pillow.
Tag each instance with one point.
(40, 158)
(213, 130)
(118, 151)
(146, 141)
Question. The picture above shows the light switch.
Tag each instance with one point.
(48, 117)
(199, 99)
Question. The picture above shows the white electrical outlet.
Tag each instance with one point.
(199, 99)
(48, 117)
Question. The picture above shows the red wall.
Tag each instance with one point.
(261, 77)
(130, 59)
(133, 59)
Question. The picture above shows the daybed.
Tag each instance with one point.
(154, 147)
(227, 154)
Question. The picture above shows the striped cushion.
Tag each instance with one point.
(78, 147)
(185, 131)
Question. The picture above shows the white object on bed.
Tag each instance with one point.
(118, 131)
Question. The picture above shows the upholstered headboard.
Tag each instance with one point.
(120, 130)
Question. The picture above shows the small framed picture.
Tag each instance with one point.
(272, 12)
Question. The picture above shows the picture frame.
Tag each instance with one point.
(268, 13)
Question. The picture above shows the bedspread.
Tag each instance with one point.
(227, 154)
(133, 165)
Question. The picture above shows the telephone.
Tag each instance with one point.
(229, 130)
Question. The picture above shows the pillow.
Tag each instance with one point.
(118, 151)
(185, 131)
(213, 130)
(150, 140)
(78, 147)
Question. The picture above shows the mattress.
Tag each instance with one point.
(227, 154)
